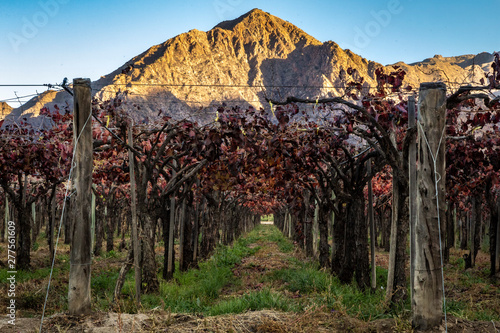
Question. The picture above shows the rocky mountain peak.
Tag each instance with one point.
(243, 61)
(257, 23)
(250, 17)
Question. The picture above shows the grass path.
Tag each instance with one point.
(261, 283)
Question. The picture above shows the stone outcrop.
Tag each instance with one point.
(5, 109)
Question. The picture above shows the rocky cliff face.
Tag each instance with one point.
(31, 109)
(243, 61)
(5, 109)
(239, 62)
(454, 71)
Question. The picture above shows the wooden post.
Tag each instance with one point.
(473, 223)
(412, 167)
(52, 224)
(199, 207)
(497, 247)
(475, 229)
(171, 228)
(33, 215)
(135, 236)
(393, 241)
(182, 226)
(371, 220)
(289, 225)
(7, 217)
(332, 231)
(315, 230)
(92, 223)
(79, 273)
(285, 229)
(427, 302)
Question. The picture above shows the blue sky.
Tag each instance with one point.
(43, 41)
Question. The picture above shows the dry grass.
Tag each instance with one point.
(314, 320)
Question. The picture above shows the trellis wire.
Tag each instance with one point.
(494, 325)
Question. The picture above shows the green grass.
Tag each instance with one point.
(479, 311)
(305, 279)
(315, 287)
(471, 293)
(31, 287)
(110, 254)
(485, 244)
(104, 282)
(469, 279)
(197, 290)
(254, 301)
(103, 286)
(272, 234)
(298, 287)
(458, 263)
(25, 275)
(456, 308)
(484, 314)
(267, 218)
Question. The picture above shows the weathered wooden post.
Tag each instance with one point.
(332, 231)
(371, 220)
(412, 180)
(93, 221)
(171, 228)
(497, 247)
(315, 230)
(52, 224)
(427, 301)
(135, 236)
(182, 227)
(79, 273)
(199, 208)
(393, 240)
(7, 218)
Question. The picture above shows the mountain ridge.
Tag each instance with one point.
(243, 61)
(4, 109)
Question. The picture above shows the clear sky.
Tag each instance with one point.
(43, 41)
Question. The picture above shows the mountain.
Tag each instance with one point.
(454, 71)
(238, 57)
(31, 109)
(243, 61)
(5, 109)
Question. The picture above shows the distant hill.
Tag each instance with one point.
(454, 71)
(241, 62)
(5, 109)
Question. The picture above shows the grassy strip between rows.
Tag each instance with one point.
(299, 287)
(196, 290)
